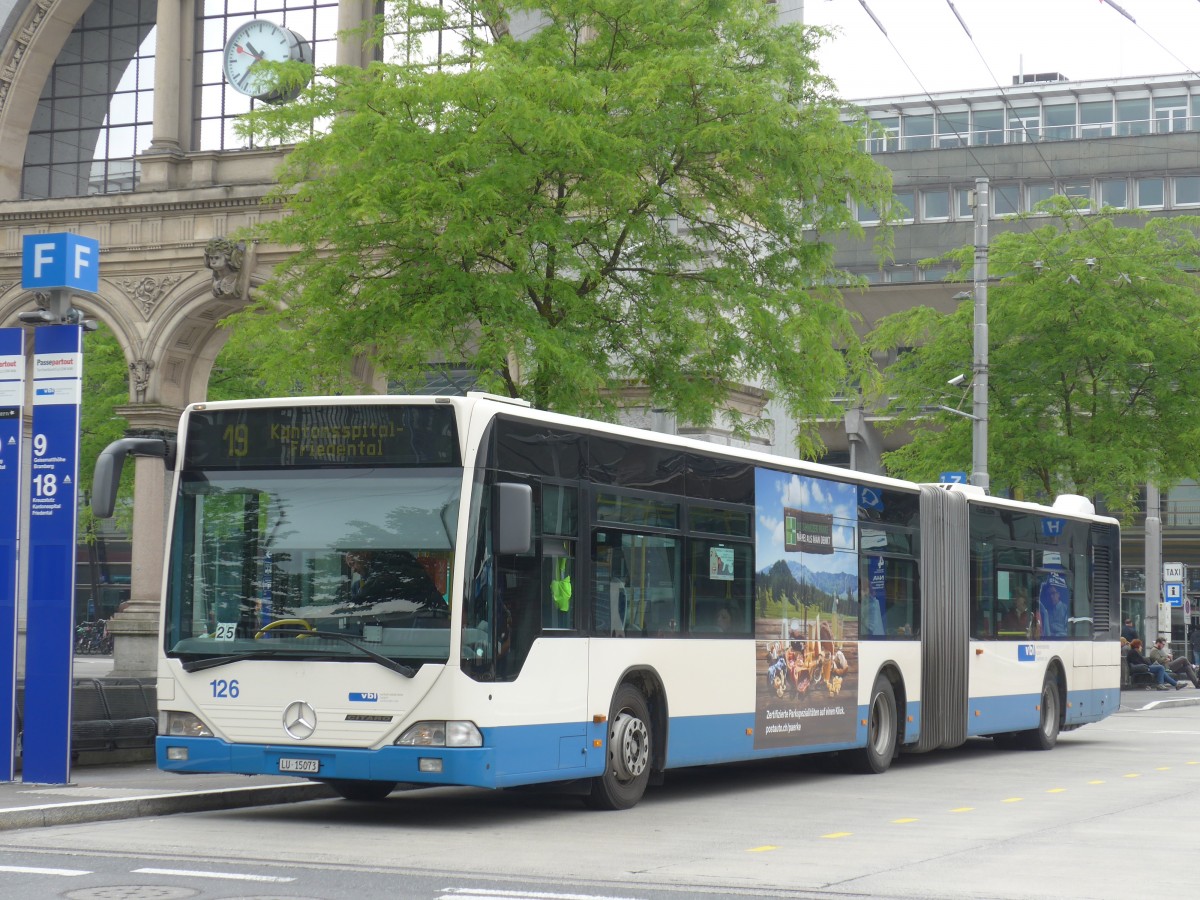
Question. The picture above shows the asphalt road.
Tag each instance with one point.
(1103, 815)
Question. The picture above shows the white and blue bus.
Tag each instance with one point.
(373, 591)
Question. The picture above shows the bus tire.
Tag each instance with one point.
(882, 731)
(362, 791)
(1045, 736)
(627, 753)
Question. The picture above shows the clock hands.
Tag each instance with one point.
(249, 48)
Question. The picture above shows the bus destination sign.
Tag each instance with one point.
(267, 438)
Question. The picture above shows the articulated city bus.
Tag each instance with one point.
(369, 591)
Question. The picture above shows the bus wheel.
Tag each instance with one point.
(1045, 736)
(882, 728)
(362, 791)
(627, 766)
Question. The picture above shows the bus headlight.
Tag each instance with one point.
(182, 724)
(456, 733)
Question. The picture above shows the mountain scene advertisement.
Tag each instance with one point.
(806, 610)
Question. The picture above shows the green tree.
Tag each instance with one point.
(638, 193)
(1094, 335)
(105, 387)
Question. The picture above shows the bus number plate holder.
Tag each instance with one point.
(300, 766)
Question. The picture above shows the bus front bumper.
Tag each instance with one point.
(474, 766)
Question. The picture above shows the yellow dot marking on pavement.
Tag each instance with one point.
(1013, 799)
(1133, 775)
(838, 834)
(902, 821)
(1192, 762)
(762, 849)
(1098, 781)
(1056, 791)
(1162, 768)
(964, 809)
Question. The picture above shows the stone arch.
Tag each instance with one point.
(39, 30)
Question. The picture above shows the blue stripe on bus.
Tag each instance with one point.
(1019, 712)
(533, 754)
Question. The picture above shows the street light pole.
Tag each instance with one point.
(979, 368)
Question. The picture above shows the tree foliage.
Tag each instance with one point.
(639, 192)
(1094, 335)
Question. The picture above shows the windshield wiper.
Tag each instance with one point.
(387, 663)
(195, 665)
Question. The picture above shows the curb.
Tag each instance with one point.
(85, 811)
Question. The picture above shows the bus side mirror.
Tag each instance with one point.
(514, 518)
(107, 476)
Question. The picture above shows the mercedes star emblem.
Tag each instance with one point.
(299, 720)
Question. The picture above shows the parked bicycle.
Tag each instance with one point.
(93, 638)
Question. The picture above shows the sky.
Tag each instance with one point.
(1082, 39)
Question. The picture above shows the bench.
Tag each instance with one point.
(106, 715)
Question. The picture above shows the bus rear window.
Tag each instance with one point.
(306, 436)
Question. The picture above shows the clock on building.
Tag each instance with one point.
(260, 40)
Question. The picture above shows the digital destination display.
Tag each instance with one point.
(314, 436)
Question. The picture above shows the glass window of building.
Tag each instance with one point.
(1038, 192)
(1061, 119)
(884, 134)
(95, 112)
(414, 41)
(217, 104)
(962, 203)
(1024, 124)
(1114, 192)
(1187, 190)
(935, 204)
(905, 204)
(988, 127)
(1133, 116)
(866, 214)
(901, 274)
(1150, 193)
(1006, 199)
(1079, 191)
(1170, 113)
(918, 132)
(952, 129)
(1096, 118)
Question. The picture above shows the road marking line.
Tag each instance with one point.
(838, 834)
(964, 809)
(1012, 799)
(192, 873)
(763, 849)
(1097, 781)
(1056, 791)
(902, 821)
(1133, 775)
(527, 895)
(33, 870)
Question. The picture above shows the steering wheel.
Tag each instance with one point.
(279, 623)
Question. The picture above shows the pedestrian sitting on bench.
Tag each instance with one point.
(1139, 663)
(1178, 666)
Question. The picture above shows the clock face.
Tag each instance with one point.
(256, 41)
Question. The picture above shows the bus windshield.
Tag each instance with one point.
(313, 563)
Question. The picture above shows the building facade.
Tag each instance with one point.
(1131, 143)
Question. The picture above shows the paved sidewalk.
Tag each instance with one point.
(132, 789)
(128, 790)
